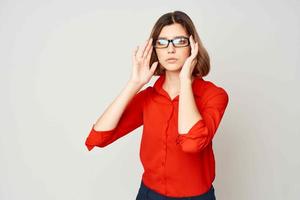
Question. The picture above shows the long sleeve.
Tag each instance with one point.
(203, 131)
(131, 119)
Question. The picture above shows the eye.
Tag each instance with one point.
(161, 42)
(181, 41)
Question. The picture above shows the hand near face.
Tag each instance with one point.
(141, 55)
(190, 62)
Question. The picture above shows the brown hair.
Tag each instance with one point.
(203, 62)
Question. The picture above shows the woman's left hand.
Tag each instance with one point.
(190, 62)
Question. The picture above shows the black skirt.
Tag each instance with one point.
(146, 193)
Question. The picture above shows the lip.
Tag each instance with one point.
(171, 59)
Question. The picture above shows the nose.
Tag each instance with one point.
(171, 48)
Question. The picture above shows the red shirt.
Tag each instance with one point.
(174, 165)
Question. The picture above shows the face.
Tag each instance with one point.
(180, 53)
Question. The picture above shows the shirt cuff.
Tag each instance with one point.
(193, 140)
(97, 138)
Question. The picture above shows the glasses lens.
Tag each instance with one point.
(160, 43)
(180, 42)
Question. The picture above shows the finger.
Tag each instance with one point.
(192, 44)
(153, 67)
(135, 50)
(148, 48)
(134, 53)
(149, 55)
(192, 39)
(196, 47)
(138, 53)
(142, 49)
(195, 50)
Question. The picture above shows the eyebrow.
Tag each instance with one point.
(173, 37)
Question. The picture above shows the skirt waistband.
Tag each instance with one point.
(210, 195)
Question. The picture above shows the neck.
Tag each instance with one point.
(172, 81)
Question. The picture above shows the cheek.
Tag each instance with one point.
(188, 52)
(160, 56)
(185, 54)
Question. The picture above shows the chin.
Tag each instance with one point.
(172, 67)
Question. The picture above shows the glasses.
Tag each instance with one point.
(177, 42)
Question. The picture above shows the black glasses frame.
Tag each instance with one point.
(154, 42)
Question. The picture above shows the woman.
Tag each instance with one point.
(180, 113)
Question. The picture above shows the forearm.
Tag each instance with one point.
(188, 113)
(111, 116)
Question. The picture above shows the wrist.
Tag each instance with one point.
(186, 81)
(133, 83)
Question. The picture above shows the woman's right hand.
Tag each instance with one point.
(141, 72)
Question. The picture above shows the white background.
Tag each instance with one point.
(62, 62)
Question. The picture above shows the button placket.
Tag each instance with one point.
(164, 179)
